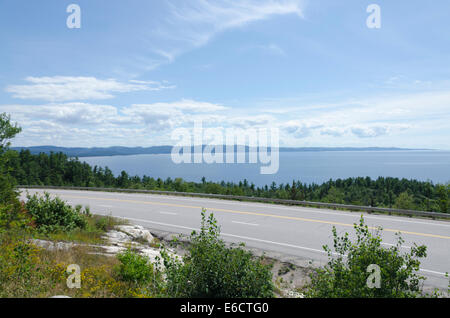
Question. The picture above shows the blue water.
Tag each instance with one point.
(308, 167)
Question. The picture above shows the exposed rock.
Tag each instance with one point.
(118, 240)
(293, 294)
(109, 249)
(151, 253)
(117, 237)
(137, 232)
(53, 246)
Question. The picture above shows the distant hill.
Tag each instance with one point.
(124, 151)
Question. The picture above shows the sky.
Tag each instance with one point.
(137, 70)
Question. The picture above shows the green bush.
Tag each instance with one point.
(347, 275)
(212, 270)
(51, 215)
(134, 268)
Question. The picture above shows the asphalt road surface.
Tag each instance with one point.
(297, 232)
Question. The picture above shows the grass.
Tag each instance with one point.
(97, 226)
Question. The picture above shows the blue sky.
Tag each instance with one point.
(137, 70)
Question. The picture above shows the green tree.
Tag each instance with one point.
(335, 195)
(7, 131)
(443, 197)
(10, 209)
(404, 201)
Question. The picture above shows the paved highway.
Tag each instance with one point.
(296, 232)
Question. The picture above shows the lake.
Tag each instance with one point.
(308, 167)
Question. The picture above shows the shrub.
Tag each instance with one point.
(51, 215)
(210, 269)
(134, 268)
(340, 278)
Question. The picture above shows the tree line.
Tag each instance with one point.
(57, 169)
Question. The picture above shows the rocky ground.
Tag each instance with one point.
(121, 238)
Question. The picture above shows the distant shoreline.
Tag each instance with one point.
(158, 150)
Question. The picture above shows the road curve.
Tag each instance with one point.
(297, 232)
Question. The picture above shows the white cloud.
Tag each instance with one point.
(82, 123)
(301, 128)
(408, 120)
(162, 116)
(70, 88)
(67, 113)
(333, 131)
(369, 132)
(249, 121)
(191, 24)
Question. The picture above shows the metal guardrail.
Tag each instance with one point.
(350, 207)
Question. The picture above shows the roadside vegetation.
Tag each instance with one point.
(348, 271)
(212, 270)
(53, 218)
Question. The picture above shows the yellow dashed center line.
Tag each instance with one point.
(259, 214)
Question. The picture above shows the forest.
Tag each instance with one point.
(57, 169)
